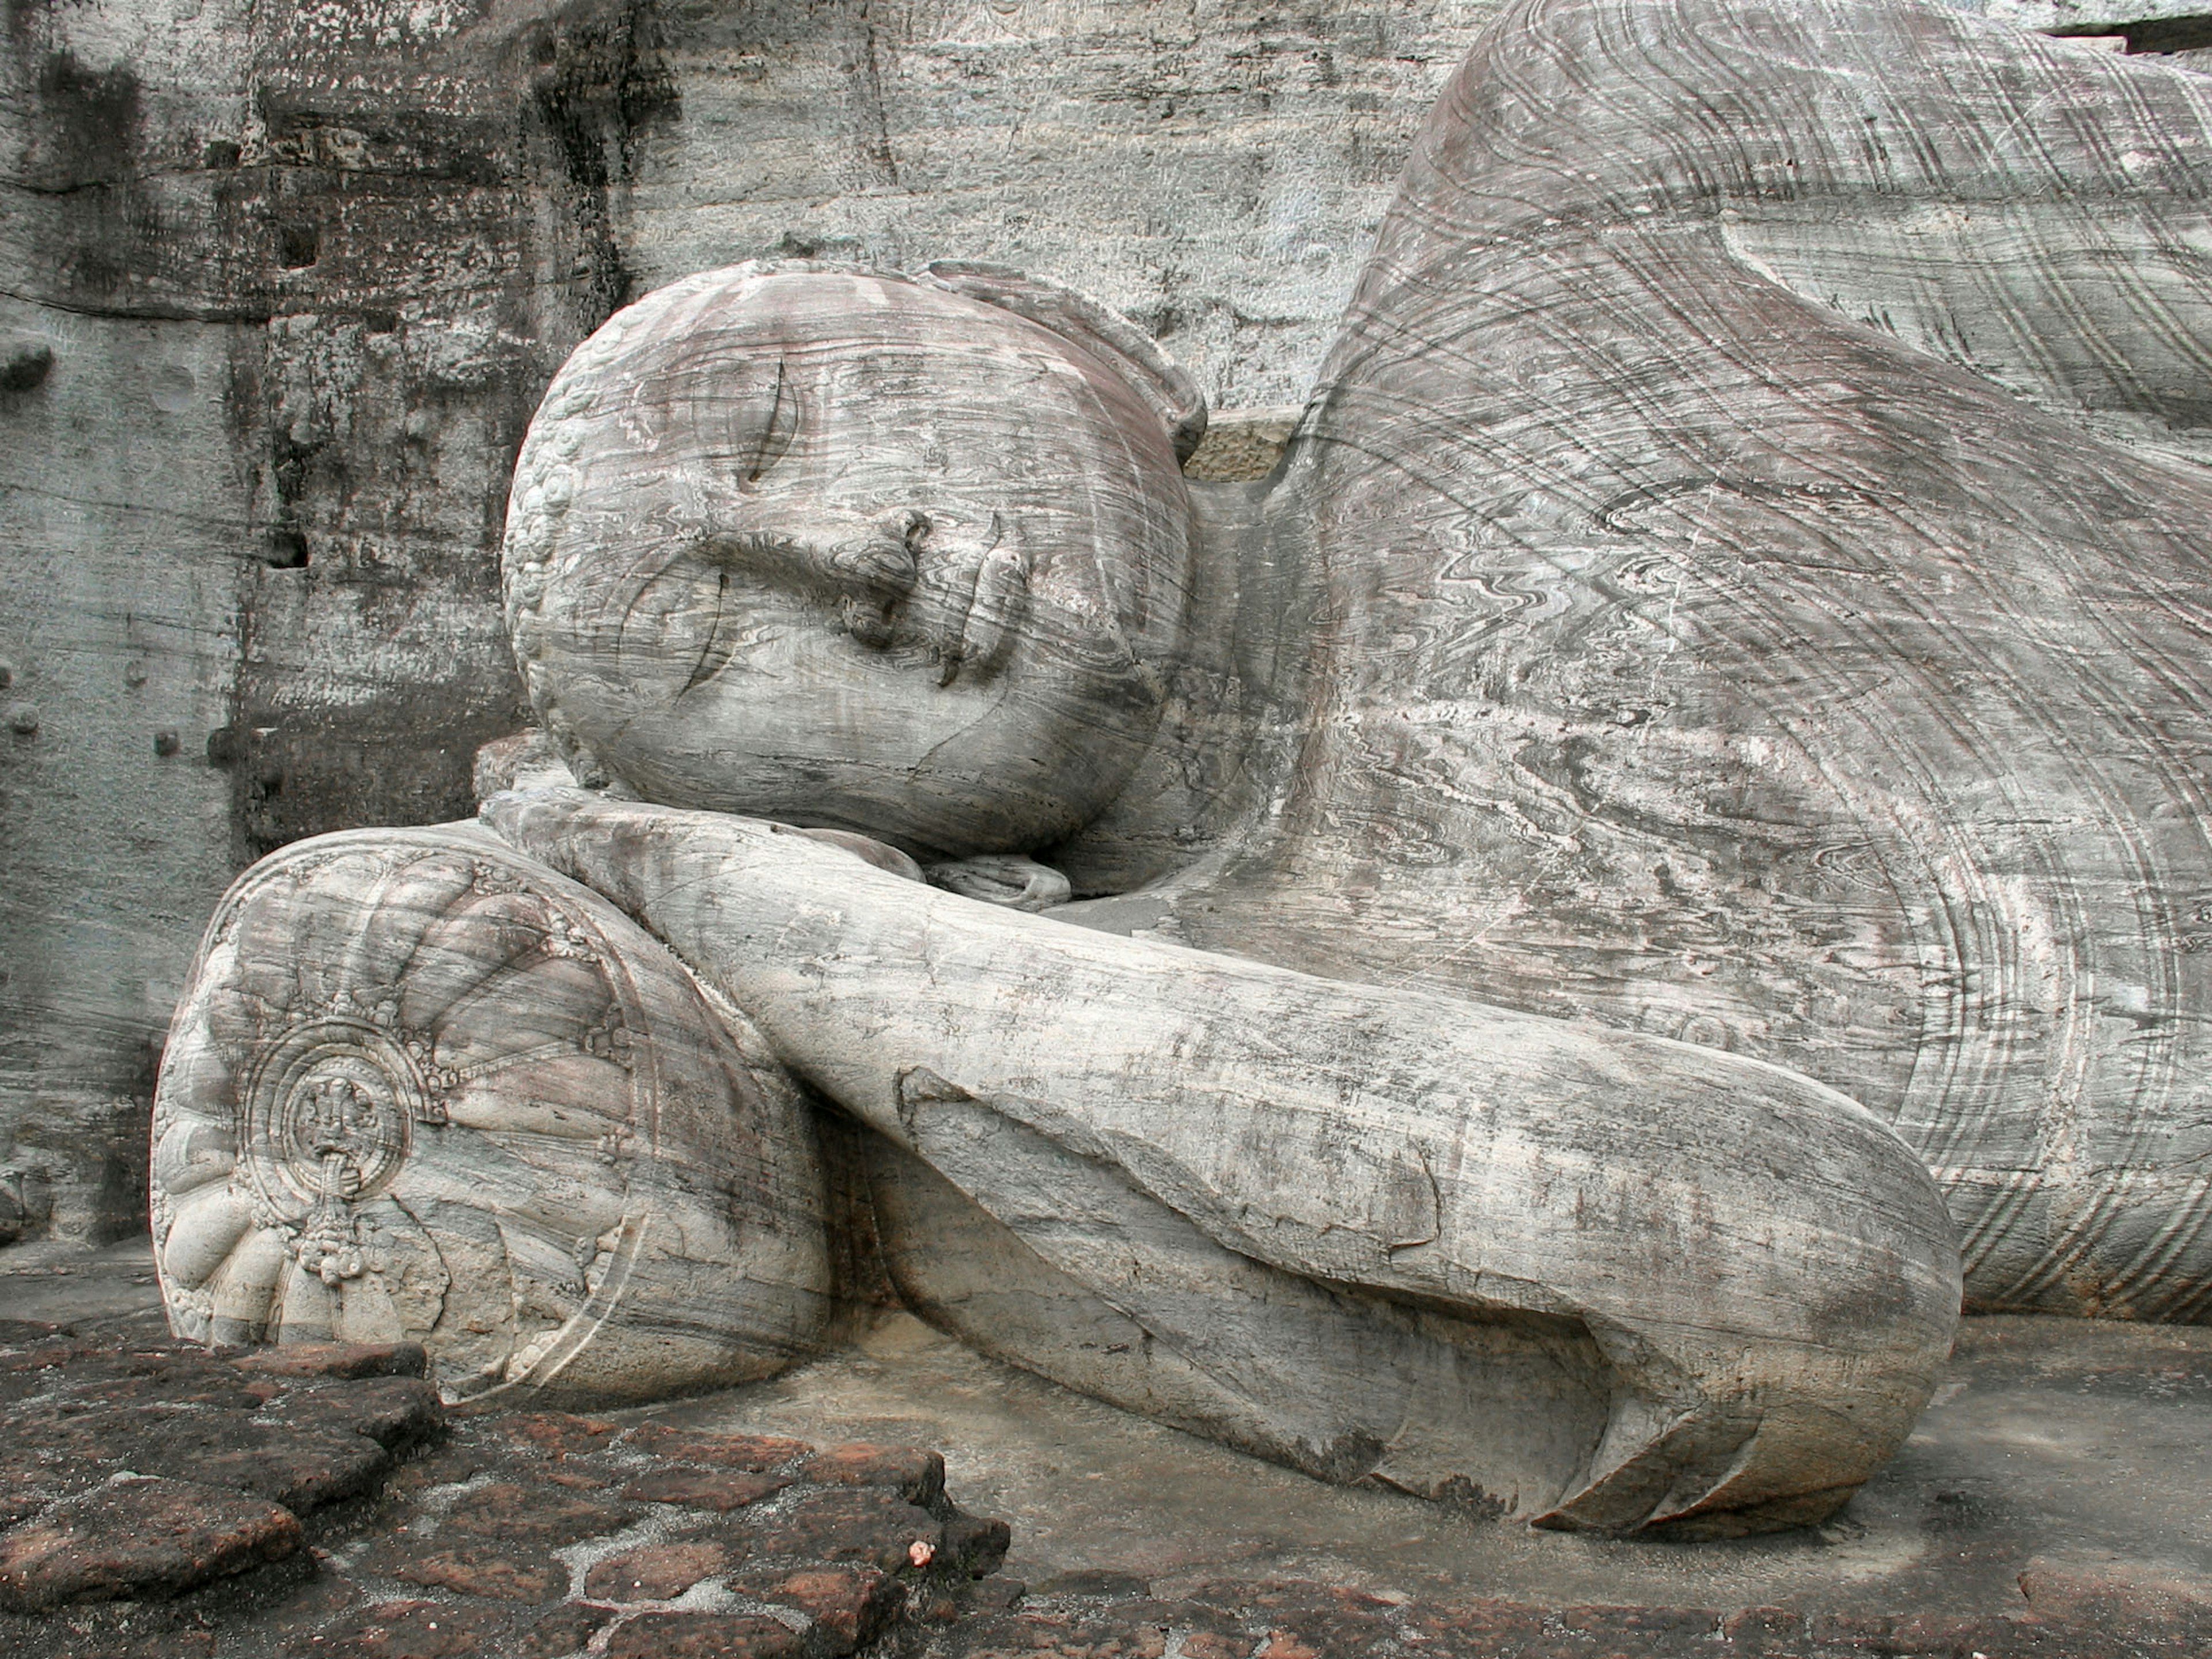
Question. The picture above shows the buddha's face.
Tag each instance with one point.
(840, 550)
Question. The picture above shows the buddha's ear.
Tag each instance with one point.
(1120, 344)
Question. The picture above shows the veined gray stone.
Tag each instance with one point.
(1731, 604)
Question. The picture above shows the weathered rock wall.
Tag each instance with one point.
(280, 284)
(281, 287)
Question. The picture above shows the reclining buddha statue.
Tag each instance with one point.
(1518, 957)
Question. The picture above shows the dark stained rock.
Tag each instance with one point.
(1477, 1626)
(702, 1635)
(917, 1475)
(301, 1468)
(1092, 1582)
(756, 1453)
(1613, 1627)
(397, 1412)
(1936, 1636)
(32, 1476)
(164, 1377)
(866, 1524)
(997, 1595)
(1759, 1630)
(722, 1490)
(656, 1572)
(446, 1464)
(850, 1606)
(290, 1620)
(531, 1514)
(133, 1472)
(974, 1545)
(575, 1479)
(336, 1360)
(139, 1538)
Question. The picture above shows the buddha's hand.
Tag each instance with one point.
(1768, 1270)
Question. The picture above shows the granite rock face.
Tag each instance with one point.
(1631, 661)
(282, 285)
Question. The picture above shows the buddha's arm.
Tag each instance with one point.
(1768, 1270)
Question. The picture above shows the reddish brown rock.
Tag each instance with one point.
(656, 1573)
(557, 1434)
(722, 1490)
(416, 1630)
(535, 1514)
(1481, 1625)
(849, 1606)
(702, 1635)
(2118, 1601)
(1616, 1627)
(866, 1524)
(339, 1359)
(1138, 1633)
(499, 1571)
(758, 1453)
(915, 1473)
(139, 1538)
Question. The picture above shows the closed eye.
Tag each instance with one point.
(776, 435)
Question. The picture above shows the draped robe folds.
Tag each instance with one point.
(1759, 558)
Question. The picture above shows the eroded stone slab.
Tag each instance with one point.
(139, 1538)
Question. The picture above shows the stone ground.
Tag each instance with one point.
(2053, 1504)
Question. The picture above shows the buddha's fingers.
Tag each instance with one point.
(1767, 1272)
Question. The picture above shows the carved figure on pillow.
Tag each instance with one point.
(1642, 674)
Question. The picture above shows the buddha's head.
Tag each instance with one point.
(907, 557)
